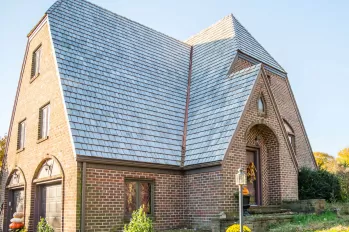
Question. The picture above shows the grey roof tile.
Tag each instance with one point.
(125, 85)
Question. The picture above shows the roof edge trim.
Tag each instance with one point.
(61, 90)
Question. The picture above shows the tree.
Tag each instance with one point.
(325, 161)
(2, 148)
(343, 157)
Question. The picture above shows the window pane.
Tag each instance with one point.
(145, 195)
(260, 105)
(130, 197)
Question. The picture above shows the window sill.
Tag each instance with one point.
(20, 150)
(42, 140)
(34, 78)
(260, 114)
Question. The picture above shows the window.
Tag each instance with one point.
(21, 135)
(44, 121)
(261, 106)
(137, 194)
(269, 79)
(36, 62)
(290, 134)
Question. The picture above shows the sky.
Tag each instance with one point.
(309, 39)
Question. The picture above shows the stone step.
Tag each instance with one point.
(269, 209)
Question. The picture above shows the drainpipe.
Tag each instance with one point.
(83, 197)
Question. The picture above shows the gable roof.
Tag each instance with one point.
(230, 27)
(125, 86)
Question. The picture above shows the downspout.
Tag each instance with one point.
(184, 139)
(83, 198)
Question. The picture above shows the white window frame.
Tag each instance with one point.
(21, 134)
(44, 121)
(36, 62)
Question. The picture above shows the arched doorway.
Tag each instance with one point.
(48, 188)
(262, 152)
(15, 195)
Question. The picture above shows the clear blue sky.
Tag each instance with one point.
(308, 38)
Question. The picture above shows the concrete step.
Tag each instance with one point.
(268, 209)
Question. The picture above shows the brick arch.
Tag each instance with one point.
(33, 220)
(263, 137)
(42, 162)
(11, 174)
(7, 193)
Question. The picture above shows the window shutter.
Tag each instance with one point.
(19, 136)
(33, 64)
(23, 134)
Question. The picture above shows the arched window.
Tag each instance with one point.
(261, 105)
(290, 133)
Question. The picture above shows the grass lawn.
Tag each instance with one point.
(326, 222)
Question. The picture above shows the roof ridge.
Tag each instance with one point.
(209, 27)
(235, 20)
(100, 7)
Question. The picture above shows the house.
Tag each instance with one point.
(110, 115)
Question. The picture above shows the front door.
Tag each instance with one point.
(254, 180)
(51, 205)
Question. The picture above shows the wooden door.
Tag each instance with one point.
(254, 187)
(51, 205)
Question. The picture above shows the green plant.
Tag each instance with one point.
(43, 226)
(236, 228)
(139, 222)
(318, 184)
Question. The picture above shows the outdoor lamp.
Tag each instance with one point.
(241, 180)
(240, 177)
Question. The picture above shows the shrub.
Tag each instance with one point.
(139, 222)
(318, 184)
(236, 228)
(43, 226)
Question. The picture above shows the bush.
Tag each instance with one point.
(43, 226)
(318, 184)
(139, 222)
(343, 176)
(236, 228)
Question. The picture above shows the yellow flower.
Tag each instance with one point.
(236, 228)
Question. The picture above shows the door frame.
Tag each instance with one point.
(256, 151)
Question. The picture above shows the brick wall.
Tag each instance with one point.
(288, 111)
(106, 191)
(32, 96)
(283, 181)
(202, 193)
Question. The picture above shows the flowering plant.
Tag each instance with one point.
(236, 228)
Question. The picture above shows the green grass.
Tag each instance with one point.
(326, 222)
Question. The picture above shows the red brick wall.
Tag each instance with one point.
(288, 111)
(285, 184)
(105, 198)
(202, 193)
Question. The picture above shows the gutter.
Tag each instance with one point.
(185, 128)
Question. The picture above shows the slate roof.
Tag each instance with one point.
(125, 85)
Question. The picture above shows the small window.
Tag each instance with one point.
(269, 79)
(290, 134)
(21, 135)
(44, 121)
(261, 105)
(137, 194)
(36, 62)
